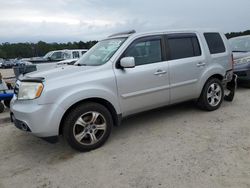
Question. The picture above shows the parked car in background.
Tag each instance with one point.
(10, 63)
(58, 58)
(59, 55)
(241, 53)
(122, 75)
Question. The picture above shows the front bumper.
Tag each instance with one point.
(243, 75)
(40, 120)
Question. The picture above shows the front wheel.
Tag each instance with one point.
(212, 95)
(87, 126)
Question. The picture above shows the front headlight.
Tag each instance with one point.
(29, 90)
(244, 60)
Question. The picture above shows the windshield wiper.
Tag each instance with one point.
(243, 51)
(79, 64)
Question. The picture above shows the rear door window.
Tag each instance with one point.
(183, 46)
(215, 43)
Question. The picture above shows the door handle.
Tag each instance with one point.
(160, 72)
(201, 64)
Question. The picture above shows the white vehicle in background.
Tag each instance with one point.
(61, 57)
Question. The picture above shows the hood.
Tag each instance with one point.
(239, 55)
(59, 73)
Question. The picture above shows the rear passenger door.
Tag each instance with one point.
(186, 63)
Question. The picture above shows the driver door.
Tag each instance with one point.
(145, 86)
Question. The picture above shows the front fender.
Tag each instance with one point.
(71, 98)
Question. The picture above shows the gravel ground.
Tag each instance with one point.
(7, 72)
(178, 146)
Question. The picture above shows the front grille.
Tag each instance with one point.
(241, 74)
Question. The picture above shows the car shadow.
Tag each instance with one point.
(38, 151)
(152, 117)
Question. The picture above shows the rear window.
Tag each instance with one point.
(183, 46)
(215, 43)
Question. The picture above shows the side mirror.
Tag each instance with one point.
(127, 62)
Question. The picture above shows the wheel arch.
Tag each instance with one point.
(217, 75)
(115, 116)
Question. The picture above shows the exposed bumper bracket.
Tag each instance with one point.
(231, 86)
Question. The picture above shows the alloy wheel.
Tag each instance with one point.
(214, 94)
(90, 128)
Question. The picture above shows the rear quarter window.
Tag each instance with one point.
(215, 43)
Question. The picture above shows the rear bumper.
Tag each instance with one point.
(228, 78)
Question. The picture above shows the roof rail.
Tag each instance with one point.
(123, 33)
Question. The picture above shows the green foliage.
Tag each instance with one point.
(24, 50)
(237, 34)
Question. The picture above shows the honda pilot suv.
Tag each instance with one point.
(124, 74)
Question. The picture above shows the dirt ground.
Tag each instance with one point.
(178, 146)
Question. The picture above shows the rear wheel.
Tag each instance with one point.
(87, 126)
(212, 95)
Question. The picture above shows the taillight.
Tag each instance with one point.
(232, 61)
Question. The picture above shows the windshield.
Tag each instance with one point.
(101, 52)
(240, 44)
(47, 55)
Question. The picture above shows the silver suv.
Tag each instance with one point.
(124, 74)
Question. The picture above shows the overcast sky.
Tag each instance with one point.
(74, 20)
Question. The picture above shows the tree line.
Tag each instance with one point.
(23, 50)
(237, 34)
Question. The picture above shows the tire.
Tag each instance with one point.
(87, 126)
(1, 107)
(7, 103)
(212, 95)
